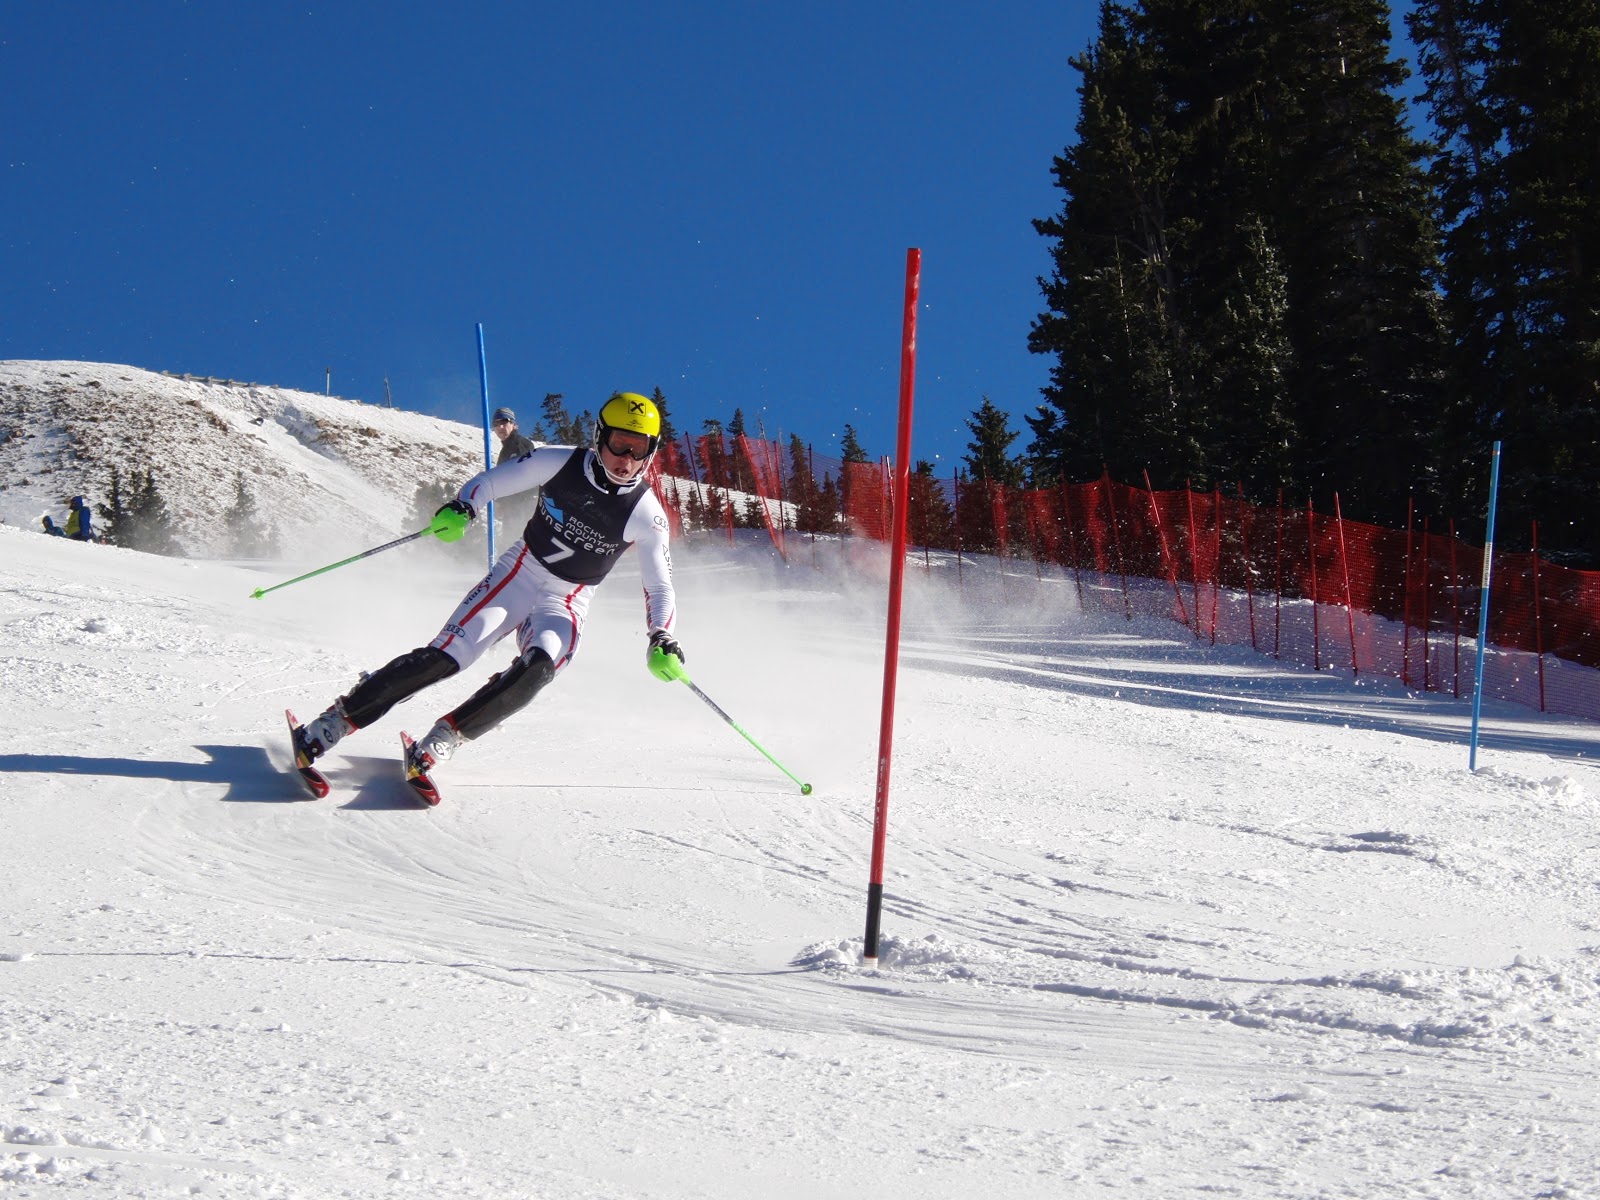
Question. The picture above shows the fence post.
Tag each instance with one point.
(1316, 624)
(694, 475)
(811, 499)
(1249, 567)
(1194, 553)
(727, 494)
(1277, 590)
(927, 531)
(1455, 607)
(1002, 536)
(1427, 604)
(1405, 600)
(1216, 555)
(1483, 606)
(783, 503)
(845, 488)
(1172, 568)
(1344, 562)
(1072, 540)
(1116, 540)
(1031, 523)
(961, 578)
(1538, 621)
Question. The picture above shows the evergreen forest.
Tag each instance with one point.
(1269, 270)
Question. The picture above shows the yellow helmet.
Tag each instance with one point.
(629, 410)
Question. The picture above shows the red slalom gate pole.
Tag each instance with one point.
(897, 572)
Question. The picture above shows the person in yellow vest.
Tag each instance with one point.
(80, 527)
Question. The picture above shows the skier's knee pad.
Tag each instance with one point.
(395, 681)
(504, 694)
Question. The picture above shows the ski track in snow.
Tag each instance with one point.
(1158, 917)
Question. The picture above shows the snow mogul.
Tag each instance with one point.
(594, 504)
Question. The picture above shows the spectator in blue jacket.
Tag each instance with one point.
(51, 527)
(79, 527)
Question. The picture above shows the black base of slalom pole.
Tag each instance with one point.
(869, 946)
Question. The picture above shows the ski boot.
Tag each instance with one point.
(421, 758)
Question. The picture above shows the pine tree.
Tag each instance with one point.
(752, 515)
(115, 521)
(668, 433)
(988, 454)
(850, 447)
(714, 452)
(248, 535)
(802, 487)
(1514, 92)
(1243, 265)
(1252, 434)
(1353, 219)
(149, 519)
(1118, 381)
(974, 514)
(930, 520)
(565, 429)
(829, 506)
(743, 475)
(714, 510)
(582, 429)
(694, 511)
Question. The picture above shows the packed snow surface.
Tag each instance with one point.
(1161, 919)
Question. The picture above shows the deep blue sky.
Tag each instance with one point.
(715, 199)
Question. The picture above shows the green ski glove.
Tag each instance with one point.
(451, 521)
(665, 658)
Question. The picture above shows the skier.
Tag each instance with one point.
(51, 527)
(595, 503)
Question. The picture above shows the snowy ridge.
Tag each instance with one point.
(317, 465)
(1159, 917)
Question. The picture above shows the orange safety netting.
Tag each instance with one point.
(1287, 581)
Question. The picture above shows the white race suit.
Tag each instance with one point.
(542, 584)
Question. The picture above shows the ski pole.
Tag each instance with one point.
(410, 537)
(805, 788)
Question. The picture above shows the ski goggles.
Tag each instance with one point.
(624, 443)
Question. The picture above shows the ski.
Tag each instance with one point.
(418, 779)
(316, 782)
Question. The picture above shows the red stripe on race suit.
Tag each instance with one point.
(492, 593)
(572, 645)
(667, 624)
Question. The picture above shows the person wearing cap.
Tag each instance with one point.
(595, 502)
(80, 523)
(512, 515)
(51, 527)
(513, 445)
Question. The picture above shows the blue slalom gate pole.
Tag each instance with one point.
(488, 445)
(1483, 606)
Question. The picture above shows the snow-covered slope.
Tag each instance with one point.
(317, 466)
(1161, 919)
